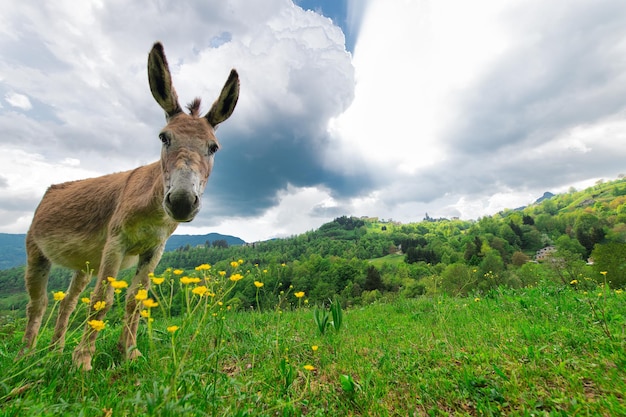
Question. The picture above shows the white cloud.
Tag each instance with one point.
(467, 108)
(297, 210)
(18, 100)
(85, 67)
(447, 107)
(410, 58)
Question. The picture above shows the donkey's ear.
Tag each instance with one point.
(161, 81)
(226, 102)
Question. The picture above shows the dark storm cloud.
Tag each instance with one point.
(92, 103)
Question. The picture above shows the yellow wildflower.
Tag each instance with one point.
(240, 261)
(111, 279)
(619, 291)
(141, 295)
(573, 282)
(97, 325)
(150, 303)
(234, 264)
(157, 280)
(258, 284)
(145, 313)
(309, 367)
(203, 267)
(476, 299)
(118, 285)
(201, 290)
(265, 271)
(604, 273)
(178, 271)
(299, 294)
(172, 329)
(189, 280)
(85, 300)
(58, 296)
(283, 264)
(222, 273)
(315, 348)
(99, 305)
(236, 277)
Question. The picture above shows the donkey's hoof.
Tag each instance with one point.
(82, 360)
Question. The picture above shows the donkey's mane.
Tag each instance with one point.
(194, 107)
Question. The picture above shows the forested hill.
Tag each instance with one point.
(13, 252)
(363, 259)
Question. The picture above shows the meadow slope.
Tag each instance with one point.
(546, 350)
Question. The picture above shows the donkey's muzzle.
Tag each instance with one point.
(182, 205)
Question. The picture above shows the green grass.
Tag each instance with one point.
(393, 259)
(536, 351)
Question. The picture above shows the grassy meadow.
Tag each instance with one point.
(545, 350)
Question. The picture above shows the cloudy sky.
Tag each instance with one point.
(388, 108)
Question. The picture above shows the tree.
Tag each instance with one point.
(588, 230)
(611, 258)
(564, 242)
(458, 280)
(519, 258)
(531, 239)
(220, 243)
(373, 281)
(566, 265)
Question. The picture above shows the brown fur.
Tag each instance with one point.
(118, 220)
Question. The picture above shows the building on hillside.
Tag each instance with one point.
(543, 253)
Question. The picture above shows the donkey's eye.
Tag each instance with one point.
(164, 138)
(213, 147)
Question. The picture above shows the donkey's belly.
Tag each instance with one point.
(75, 255)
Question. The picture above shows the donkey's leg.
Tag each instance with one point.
(109, 267)
(37, 269)
(67, 306)
(128, 340)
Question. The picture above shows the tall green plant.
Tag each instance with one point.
(322, 317)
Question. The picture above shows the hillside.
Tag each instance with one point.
(363, 259)
(536, 351)
(181, 241)
(13, 252)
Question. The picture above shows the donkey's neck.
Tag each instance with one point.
(145, 190)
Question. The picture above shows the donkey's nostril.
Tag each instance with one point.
(181, 205)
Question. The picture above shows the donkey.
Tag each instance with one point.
(122, 219)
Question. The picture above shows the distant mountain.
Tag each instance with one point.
(13, 251)
(179, 241)
(546, 196)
